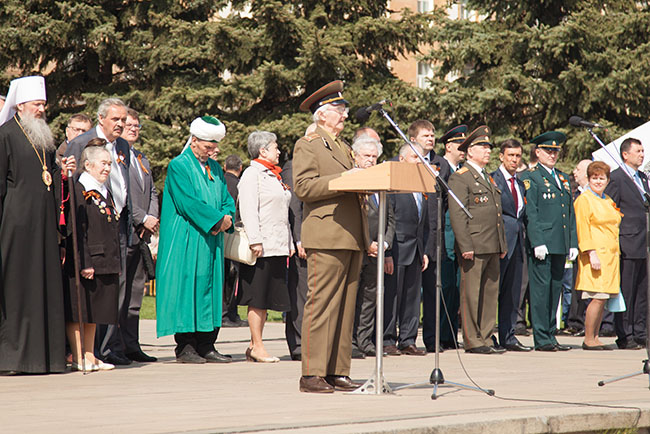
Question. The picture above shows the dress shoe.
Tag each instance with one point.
(391, 350)
(595, 347)
(433, 349)
(561, 347)
(547, 347)
(522, 331)
(450, 345)
(315, 384)
(342, 382)
(371, 352)
(117, 359)
(629, 345)
(412, 350)
(215, 356)
(518, 346)
(253, 358)
(237, 322)
(140, 356)
(483, 350)
(579, 333)
(358, 354)
(189, 355)
(297, 356)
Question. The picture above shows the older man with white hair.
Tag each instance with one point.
(196, 210)
(31, 294)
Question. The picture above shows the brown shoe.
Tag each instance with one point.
(341, 382)
(315, 384)
(412, 350)
(391, 350)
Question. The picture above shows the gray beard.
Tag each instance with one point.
(38, 132)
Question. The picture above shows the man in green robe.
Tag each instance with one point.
(196, 210)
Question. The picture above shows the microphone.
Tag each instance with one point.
(363, 113)
(577, 121)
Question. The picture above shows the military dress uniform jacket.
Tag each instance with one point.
(484, 233)
(330, 219)
(549, 211)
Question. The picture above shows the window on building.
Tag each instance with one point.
(425, 6)
(424, 74)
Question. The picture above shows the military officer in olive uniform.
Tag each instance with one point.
(480, 242)
(551, 231)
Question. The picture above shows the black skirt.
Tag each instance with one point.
(264, 285)
(99, 299)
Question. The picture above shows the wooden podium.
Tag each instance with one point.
(389, 177)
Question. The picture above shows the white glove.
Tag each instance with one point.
(541, 252)
(573, 254)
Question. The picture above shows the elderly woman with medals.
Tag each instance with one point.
(99, 256)
(264, 208)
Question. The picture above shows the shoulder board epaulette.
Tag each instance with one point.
(312, 136)
(532, 169)
(462, 170)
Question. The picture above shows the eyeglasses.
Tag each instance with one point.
(133, 126)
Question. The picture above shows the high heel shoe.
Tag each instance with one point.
(253, 358)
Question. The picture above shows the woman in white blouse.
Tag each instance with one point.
(264, 209)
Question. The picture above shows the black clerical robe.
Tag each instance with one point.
(32, 326)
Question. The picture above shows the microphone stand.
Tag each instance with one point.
(436, 378)
(646, 363)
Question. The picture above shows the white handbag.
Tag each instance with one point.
(236, 247)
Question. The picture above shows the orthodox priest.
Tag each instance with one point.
(32, 323)
(196, 210)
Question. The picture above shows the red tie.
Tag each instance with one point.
(513, 190)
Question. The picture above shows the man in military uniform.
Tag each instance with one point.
(335, 236)
(480, 242)
(551, 231)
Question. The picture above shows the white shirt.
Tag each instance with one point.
(452, 165)
(520, 197)
(478, 168)
(117, 183)
(553, 173)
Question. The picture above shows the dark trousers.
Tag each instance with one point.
(631, 324)
(524, 298)
(136, 277)
(429, 301)
(202, 342)
(402, 304)
(545, 278)
(297, 283)
(108, 338)
(364, 314)
(509, 294)
(230, 298)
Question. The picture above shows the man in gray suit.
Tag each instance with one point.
(111, 118)
(145, 222)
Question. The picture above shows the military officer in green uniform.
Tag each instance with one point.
(551, 232)
(480, 242)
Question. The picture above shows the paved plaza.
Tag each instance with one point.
(166, 397)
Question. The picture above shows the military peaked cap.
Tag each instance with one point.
(456, 134)
(480, 136)
(328, 94)
(549, 140)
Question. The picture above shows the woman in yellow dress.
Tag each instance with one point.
(597, 222)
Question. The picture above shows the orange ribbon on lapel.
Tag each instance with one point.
(207, 170)
(91, 194)
(144, 169)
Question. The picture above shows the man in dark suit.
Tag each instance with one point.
(513, 212)
(480, 242)
(232, 169)
(422, 132)
(411, 257)
(367, 148)
(627, 193)
(145, 222)
(111, 118)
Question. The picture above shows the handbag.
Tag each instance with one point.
(616, 304)
(147, 260)
(236, 247)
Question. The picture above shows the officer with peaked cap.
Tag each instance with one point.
(551, 236)
(335, 235)
(480, 242)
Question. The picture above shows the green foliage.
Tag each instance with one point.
(174, 60)
(534, 64)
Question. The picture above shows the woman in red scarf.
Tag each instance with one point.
(264, 209)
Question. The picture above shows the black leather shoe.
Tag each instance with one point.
(341, 382)
(579, 333)
(498, 350)
(483, 350)
(518, 347)
(297, 356)
(371, 352)
(433, 349)
(596, 347)
(189, 355)
(140, 356)
(522, 331)
(215, 356)
(561, 347)
(547, 347)
(116, 359)
(358, 354)
(314, 384)
(629, 345)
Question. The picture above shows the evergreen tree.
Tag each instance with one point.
(248, 63)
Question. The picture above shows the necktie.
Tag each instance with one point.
(557, 180)
(637, 179)
(513, 190)
(486, 176)
(418, 202)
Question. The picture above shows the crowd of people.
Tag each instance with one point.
(522, 233)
